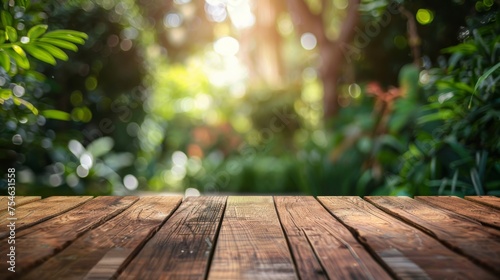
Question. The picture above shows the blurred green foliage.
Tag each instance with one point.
(456, 150)
(148, 103)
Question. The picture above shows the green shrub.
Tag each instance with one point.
(456, 150)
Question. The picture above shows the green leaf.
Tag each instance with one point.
(11, 33)
(59, 43)
(100, 146)
(21, 61)
(454, 59)
(6, 18)
(5, 93)
(18, 101)
(54, 51)
(19, 50)
(465, 48)
(440, 115)
(40, 54)
(481, 80)
(37, 31)
(65, 32)
(454, 85)
(35, 75)
(5, 61)
(65, 37)
(56, 115)
(2, 36)
(24, 3)
(485, 76)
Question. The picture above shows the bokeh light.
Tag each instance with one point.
(424, 16)
(130, 182)
(227, 46)
(308, 41)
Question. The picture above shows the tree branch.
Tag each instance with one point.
(413, 38)
(305, 20)
(347, 32)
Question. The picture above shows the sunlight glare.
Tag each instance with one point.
(130, 182)
(216, 10)
(191, 192)
(179, 158)
(308, 41)
(227, 46)
(76, 147)
(172, 20)
(202, 101)
(241, 14)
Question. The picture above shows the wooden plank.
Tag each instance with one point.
(408, 252)
(491, 201)
(479, 243)
(251, 243)
(102, 252)
(39, 211)
(182, 247)
(19, 200)
(321, 246)
(39, 242)
(479, 212)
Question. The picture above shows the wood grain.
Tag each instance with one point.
(321, 246)
(19, 200)
(39, 211)
(477, 242)
(102, 252)
(181, 249)
(39, 242)
(251, 243)
(408, 252)
(479, 212)
(491, 201)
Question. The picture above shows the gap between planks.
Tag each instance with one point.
(104, 251)
(406, 250)
(323, 247)
(40, 242)
(463, 235)
(251, 242)
(181, 248)
(41, 210)
(478, 212)
(491, 201)
(19, 200)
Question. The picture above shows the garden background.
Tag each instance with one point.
(341, 97)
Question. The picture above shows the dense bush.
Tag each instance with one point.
(456, 150)
(79, 140)
(148, 102)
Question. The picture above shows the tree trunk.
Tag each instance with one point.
(263, 55)
(331, 52)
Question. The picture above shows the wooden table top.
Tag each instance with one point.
(251, 237)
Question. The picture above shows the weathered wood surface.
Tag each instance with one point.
(479, 212)
(321, 246)
(491, 201)
(39, 211)
(39, 242)
(251, 243)
(254, 238)
(19, 200)
(408, 252)
(471, 238)
(102, 252)
(181, 249)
